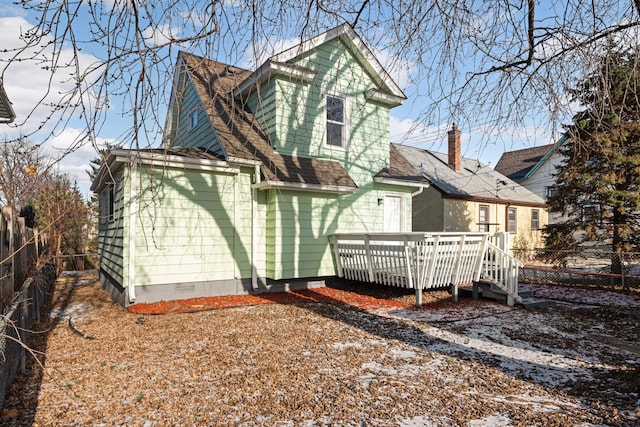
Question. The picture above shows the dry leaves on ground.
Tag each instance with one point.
(322, 363)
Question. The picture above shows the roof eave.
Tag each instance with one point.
(401, 182)
(495, 200)
(316, 188)
(357, 46)
(270, 68)
(4, 99)
(384, 97)
(546, 157)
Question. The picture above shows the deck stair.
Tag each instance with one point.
(491, 290)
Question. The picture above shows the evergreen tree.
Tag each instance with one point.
(599, 179)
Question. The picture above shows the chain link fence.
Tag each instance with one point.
(585, 267)
(16, 322)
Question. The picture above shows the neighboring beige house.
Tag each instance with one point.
(466, 195)
(534, 168)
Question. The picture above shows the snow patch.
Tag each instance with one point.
(491, 420)
(72, 310)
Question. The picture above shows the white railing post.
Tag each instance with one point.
(367, 249)
(336, 251)
(481, 257)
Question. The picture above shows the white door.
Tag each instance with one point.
(392, 214)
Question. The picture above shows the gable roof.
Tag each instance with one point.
(517, 164)
(242, 138)
(390, 92)
(6, 111)
(521, 164)
(475, 181)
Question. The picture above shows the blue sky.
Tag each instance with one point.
(26, 83)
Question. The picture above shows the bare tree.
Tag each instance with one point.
(24, 170)
(484, 64)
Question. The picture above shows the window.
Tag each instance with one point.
(335, 121)
(535, 219)
(105, 205)
(512, 224)
(591, 212)
(111, 203)
(193, 119)
(483, 218)
(550, 191)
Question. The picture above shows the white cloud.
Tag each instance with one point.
(30, 84)
(409, 132)
(257, 53)
(400, 70)
(161, 35)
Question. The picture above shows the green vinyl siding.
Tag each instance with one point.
(111, 245)
(292, 112)
(302, 120)
(262, 104)
(186, 103)
(299, 225)
(194, 226)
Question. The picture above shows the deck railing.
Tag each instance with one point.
(422, 260)
(501, 269)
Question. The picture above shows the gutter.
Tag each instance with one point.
(318, 188)
(132, 231)
(254, 228)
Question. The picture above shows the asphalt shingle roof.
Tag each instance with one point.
(475, 181)
(517, 164)
(242, 137)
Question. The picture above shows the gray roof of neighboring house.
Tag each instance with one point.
(517, 164)
(6, 111)
(475, 181)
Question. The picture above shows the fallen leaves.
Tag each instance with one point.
(320, 357)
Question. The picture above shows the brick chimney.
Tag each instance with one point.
(455, 160)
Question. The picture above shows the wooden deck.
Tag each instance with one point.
(427, 260)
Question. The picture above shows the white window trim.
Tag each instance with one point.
(486, 225)
(512, 230)
(345, 123)
(537, 213)
(194, 112)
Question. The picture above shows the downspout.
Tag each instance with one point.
(254, 229)
(132, 231)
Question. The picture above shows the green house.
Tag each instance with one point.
(257, 170)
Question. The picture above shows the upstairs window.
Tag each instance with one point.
(335, 106)
(192, 119)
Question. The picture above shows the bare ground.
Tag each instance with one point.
(471, 363)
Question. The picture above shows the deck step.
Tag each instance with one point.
(534, 303)
(489, 290)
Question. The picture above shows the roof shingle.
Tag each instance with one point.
(516, 164)
(242, 137)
